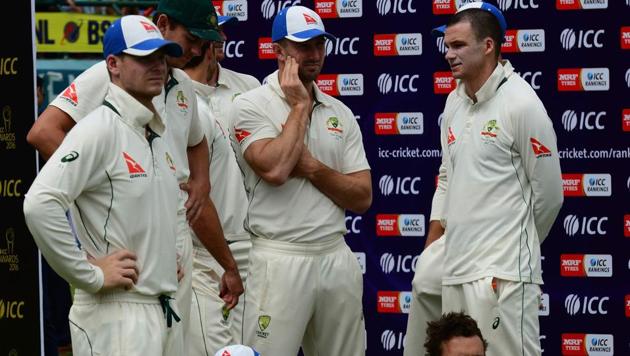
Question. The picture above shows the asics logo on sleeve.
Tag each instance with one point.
(70, 157)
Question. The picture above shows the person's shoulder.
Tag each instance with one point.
(249, 80)
(519, 95)
(261, 94)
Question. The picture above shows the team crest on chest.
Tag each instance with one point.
(169, 162)
(334, 127)
(182, 101)
(490, 131)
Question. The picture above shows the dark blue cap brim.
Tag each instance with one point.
(226, 20)
(438, 31)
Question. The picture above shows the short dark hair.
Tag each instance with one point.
(447, 327)
(483, 24)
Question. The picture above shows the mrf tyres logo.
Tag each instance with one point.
(395, 302)
(341, 84)
(401, 123)
(398, 44)
(587, 344)
(330, 9)
(591, 185)
(523, 41)
(577, 265)
(400, 224)
(581, 4)
(583, 79)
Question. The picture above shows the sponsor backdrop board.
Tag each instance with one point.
(19, 262)
(390, 71)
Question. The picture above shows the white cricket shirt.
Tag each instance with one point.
(125, 189)
(500, 182)
(226, 181)
(176, 104)
(296, 211)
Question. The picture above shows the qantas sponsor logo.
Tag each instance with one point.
(399, 224)
(571, 38)
(241, 134)
(401, 123)
(269, 8)
(587, 344)
(235, 8)
(575, 305)
(393, 7)
(330, 9)
(575, 225)
(572, 265)
(581, 4)
(341, 84)
(342, 46)
(135, 169)
(395, 302)
(624, 37)
(539, 149)
(70, 95)
(443, 82)
(398, 263)
(451, 137)
(398, 44)
(265, 48)
(592, 184)
(583, 79)
(523, 41)
(584, 120)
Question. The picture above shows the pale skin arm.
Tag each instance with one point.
(435, 232)
(352, 191)
(274, 159)
(198, 185)
(49, 130)
(208, 230)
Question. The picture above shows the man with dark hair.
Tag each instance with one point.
(499, 190)
(455, 334)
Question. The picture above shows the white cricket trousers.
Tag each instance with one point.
(210, 327)
(307, 294)
(426, 302)
(122, 324)
(184, 290)
(507, 313)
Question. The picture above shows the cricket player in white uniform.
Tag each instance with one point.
(501, 184)
(189, 23)
(304, 163)
(212, 323)
(116, 167)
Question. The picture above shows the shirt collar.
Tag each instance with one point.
(220, 81)
(203, 89)
(488, 90)
(318, 96)
(131, 111)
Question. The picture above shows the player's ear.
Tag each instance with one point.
(279, 51)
